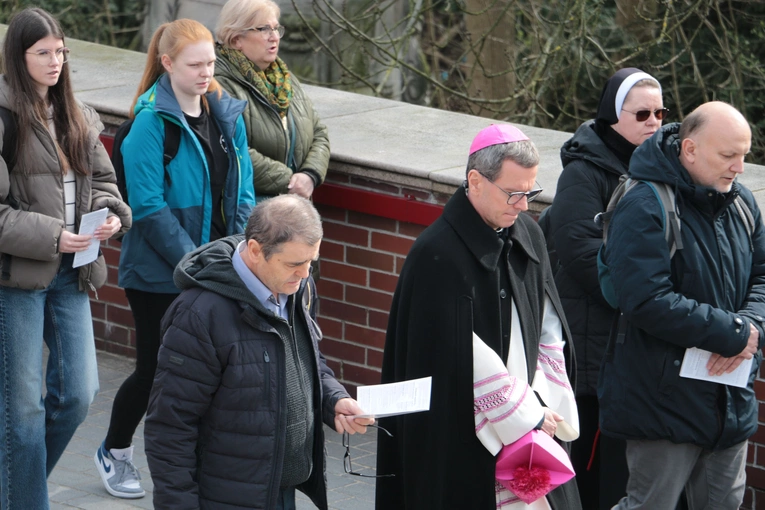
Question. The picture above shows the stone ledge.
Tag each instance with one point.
(374, 138)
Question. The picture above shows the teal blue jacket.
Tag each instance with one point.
(173, 218)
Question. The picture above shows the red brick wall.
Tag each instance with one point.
(112, 319)
(361, 257)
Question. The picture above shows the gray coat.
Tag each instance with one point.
(32, 208)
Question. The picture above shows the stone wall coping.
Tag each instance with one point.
(386, 140)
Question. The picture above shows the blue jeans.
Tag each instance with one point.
(34, 431)
(286, 499)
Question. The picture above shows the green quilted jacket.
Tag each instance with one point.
(270, 142)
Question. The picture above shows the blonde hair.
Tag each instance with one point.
(170, 39)
(645, 82)
(238, 16)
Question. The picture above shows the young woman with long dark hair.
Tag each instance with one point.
(53, 170)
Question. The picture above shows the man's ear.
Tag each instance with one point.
(474, 179)
(254, 250)
(688, 149)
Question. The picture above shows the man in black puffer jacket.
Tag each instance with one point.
(235, 415)
(683, 432)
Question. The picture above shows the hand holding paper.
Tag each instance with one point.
(695, 364)
(347, 417)
(88, 225)
(391, 399)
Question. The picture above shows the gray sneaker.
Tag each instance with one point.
(119, 474)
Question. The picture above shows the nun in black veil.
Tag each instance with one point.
(629, 112)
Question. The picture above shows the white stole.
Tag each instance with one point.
(505, 405)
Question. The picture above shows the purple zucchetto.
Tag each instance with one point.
(495, 135)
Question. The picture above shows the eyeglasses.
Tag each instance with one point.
(45, 57)
(265, 31)
(515, 196)
(347, 467)
(642, 115)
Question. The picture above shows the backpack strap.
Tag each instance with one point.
(603, 219)
(666, 196)
(171, 143)
(746, 217)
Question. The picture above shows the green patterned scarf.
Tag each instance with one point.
(274, 83)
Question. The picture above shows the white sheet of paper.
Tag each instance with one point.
(404, 397)
(695, 367)
(88, 224)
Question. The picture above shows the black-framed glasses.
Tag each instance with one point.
(642, 115)
(347, 466)
(513, 197)
(265, 31)
(45, 57)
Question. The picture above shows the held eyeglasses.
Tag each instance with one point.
(45, 57)
(642, 115)
(265, 31)
(347, 466)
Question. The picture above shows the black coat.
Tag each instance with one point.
(216, 428)
(590, 174)
(705, 296)
(449, 287)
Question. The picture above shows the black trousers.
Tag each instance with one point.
(132, 399)
(605, 483)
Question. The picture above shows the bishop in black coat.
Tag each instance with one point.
(459, 278)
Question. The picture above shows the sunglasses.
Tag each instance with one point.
(642, 115)
(347, 466)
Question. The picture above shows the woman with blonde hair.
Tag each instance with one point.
(204, 193)
(53, 170)
(289, 147)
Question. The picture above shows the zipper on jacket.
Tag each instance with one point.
(267, 360)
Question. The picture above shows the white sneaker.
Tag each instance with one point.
(119, 474)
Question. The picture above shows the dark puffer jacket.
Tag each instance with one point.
(705, 296)
(591, 172)
(216, 425)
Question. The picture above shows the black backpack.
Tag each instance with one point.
(171, 144)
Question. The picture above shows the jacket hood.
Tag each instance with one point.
(658, 159)
(588, 146)
(210, 267)
(160, 98)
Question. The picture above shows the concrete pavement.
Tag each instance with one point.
(75, 483)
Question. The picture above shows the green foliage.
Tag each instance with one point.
(112, 22)
(561, 54)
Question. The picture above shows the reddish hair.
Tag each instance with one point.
(170, 39)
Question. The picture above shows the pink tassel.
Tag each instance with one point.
(529, 484)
